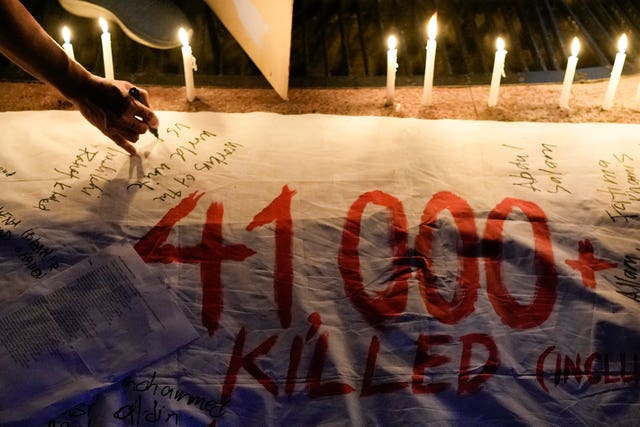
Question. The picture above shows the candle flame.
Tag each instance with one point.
(432, 26)
(103, 24)
(392, 42)
(622, 43)
(66, 34)
(575, 46)
(183, 36)
(500, 43)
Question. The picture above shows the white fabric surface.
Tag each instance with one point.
(563, 201)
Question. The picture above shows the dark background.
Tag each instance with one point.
(343, 42)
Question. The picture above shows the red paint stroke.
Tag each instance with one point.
(424, 360)
(315, 387)
(316, 321)
(449, 310)
(209, 254)
(295, 355)
(368, 388)
(466, 383)
(587, 264)
(279, 211)
(511, 312)
(392, 300)
(540, 367)
(248, 362)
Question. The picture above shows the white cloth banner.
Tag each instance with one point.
(351, 270)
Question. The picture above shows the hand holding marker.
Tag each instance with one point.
(135, 93)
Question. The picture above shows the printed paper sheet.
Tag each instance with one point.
(70, 337)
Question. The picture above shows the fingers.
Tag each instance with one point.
(127, 134)
(122, 142)
(147, 116)
(145, 97)
(143, 107)
(129, 124)
(126, 128)
(119, 109)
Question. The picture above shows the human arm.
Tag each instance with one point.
(104, 103)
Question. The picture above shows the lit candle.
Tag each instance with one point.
(615, 73)
(107, 58)
(432, 28)
(67, 46)
(569, 73)
(498, 72)
(189, 62)
(392, 65)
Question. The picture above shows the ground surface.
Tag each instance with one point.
(516, 103)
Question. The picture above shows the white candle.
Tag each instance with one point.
(616, 72)
(569, 74)
(392, 65)
(107, 57)
(189, 62)
(67, 46)
(432, 28)
(498, 72)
